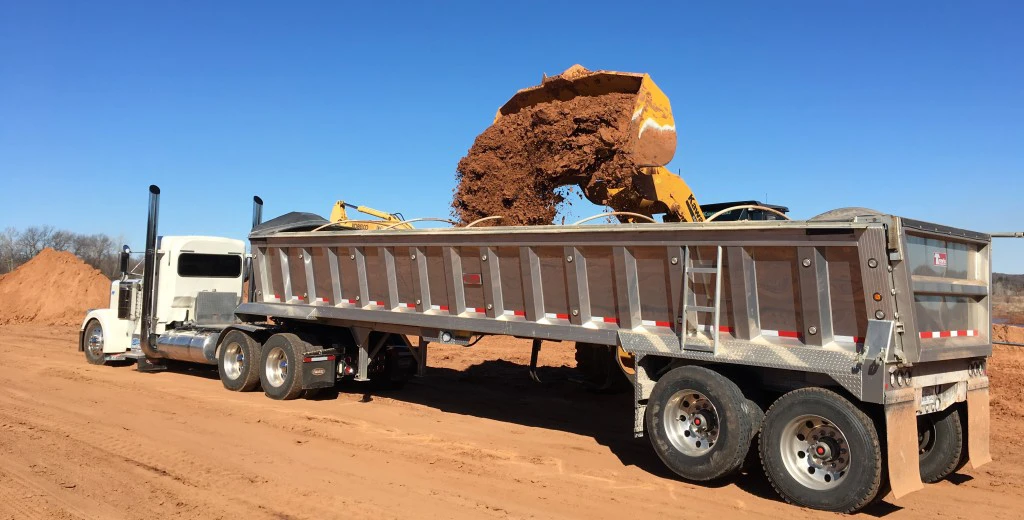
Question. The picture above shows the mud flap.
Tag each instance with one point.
(978, 427)
(901, 436)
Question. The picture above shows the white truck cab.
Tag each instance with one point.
(197, 286)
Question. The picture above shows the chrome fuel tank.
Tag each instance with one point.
(189, 345)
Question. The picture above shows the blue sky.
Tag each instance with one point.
(910, 107)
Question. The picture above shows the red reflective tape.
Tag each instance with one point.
(519, 313)
(444, 307)
(661, 324)
(410, 305)
(944, 334)
(562, 316)
(610, 320)
(857, 339)
(786, 333)
(479, 310)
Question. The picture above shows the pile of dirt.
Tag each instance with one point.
(54, 288)
(1007, 334)
(515, 165)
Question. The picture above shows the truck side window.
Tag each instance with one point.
(201, 265)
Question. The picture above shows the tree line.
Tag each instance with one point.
(98, 250)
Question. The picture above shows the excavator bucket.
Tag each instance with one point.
(652, 130)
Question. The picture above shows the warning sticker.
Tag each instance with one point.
(939, 259)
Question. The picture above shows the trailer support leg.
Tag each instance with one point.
(420, 353)
(534, 354)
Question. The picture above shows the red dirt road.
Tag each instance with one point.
(474, 439)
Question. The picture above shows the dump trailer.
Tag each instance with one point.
(850, 350)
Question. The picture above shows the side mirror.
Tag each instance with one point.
(125, 257)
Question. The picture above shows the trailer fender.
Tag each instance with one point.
(901, 439)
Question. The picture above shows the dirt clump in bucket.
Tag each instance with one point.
(516, 164)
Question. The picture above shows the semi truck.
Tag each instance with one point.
(849, 349)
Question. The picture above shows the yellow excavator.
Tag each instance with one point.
(651, 140)
(381, 219)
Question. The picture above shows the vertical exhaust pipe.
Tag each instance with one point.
(257, 219)
(147, 334)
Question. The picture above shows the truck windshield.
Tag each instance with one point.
(201, 265)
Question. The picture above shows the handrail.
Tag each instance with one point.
(747, 206)
(613, 213)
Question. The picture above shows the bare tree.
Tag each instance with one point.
(99, 250)
(32, 241)
(7, 244)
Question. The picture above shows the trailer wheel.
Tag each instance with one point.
(238, 362)
(821, 451)
(281, 366)
(93, 343)
(699, 423)
(940, 441)
(604, 368)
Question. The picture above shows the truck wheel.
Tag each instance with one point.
(238, 362)
(698, 423)
(93, 343)
(821, 451)
(940, 440)
(281, 366)
(601, 369)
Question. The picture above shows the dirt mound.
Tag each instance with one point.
(1007, 334)
(515, 165)
(54, 288)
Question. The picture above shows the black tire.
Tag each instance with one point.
(941, 442)
(94, 333)
(280, 367)
(856, 485)
(599, 367)
(756, 415)
(392, 368)
(238, 361)
(673, 415)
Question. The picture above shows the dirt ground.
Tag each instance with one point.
(473, 439)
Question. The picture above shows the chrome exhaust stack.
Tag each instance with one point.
(147, 336)
(257, 219)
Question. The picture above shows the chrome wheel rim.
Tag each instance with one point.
(276, 366)
(94, 341)
(691, 422)
(815, 452)
(234, 360)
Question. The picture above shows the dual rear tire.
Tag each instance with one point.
(700, 423)
(820, 451)
(817, 448)
(244, 364)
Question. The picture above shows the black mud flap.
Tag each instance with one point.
(319, 369)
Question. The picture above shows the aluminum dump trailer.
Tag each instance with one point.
(848, 343)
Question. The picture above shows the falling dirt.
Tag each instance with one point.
(515, 165)
(473, 439)
(53, 288)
